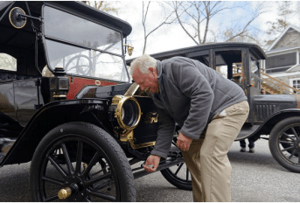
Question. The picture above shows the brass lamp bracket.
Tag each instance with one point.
(129, 48)
(128, 136)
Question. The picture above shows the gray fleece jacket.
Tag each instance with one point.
(191, 94)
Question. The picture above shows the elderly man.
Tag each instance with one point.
(210, 110)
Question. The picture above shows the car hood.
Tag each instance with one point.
(103, 92)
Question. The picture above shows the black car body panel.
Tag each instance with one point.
(103, 92)
(267, 105)
(54, 114)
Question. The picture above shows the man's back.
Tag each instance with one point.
(191, 89)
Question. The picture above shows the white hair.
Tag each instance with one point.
(143, 63)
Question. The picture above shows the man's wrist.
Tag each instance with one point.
(155, 155)
(185, 136)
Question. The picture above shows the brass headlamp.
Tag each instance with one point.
(127, 111)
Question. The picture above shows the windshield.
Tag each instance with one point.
(83, 47)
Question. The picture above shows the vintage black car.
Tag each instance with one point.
(67, 104)
(274, 117)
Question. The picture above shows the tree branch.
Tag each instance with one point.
(144, 17)
(163, 23)
(178, 18)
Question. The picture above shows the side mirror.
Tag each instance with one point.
(16, 17)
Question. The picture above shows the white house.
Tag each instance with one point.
(283, 57)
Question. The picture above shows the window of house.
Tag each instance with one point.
(280, 63)
(296, 83)
(7, 62)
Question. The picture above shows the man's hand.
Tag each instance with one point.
(183, 142)
(152, 160)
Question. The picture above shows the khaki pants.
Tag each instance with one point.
(207, 158)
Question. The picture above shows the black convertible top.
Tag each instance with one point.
(76, 7)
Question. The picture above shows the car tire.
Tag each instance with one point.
(171, 176)
(81, 159)
(284, 143)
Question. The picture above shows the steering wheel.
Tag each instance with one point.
(80, 69)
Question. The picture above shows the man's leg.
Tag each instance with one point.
(251, 144)
(243, 145)
(215, 165)
(192, 160)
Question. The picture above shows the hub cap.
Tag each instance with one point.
(64, 193)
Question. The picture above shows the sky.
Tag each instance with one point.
(169, 37)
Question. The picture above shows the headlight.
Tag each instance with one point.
(127, 112)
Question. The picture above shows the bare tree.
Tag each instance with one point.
(246, 32)
(145, 10)
(241, 35)
(195, 16)
(102, 5)
(280, 24)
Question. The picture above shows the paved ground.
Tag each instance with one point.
(255, 178)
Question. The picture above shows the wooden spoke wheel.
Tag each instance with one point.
(80, 162)
(284, 143)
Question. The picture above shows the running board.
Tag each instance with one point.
(247, 131)
(164, 165)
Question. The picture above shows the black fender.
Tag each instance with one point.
(266, 127)
(51, 115)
